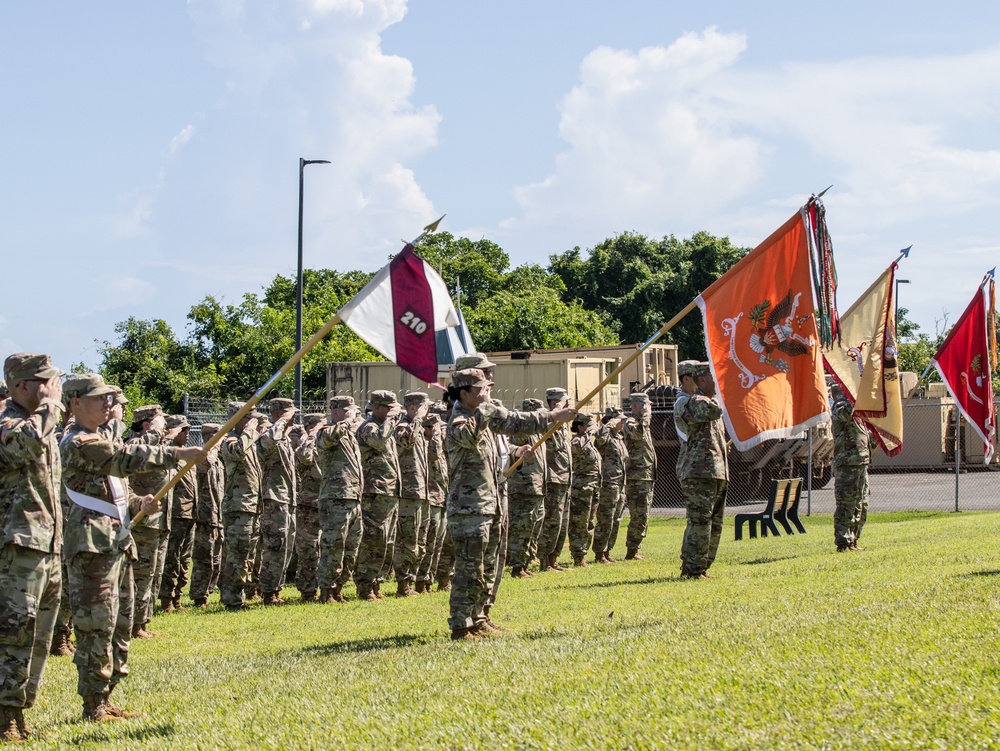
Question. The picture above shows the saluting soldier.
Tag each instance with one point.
(307, 528)
(239, 508)
(611, 501)
(641, 472)
(559, 463)
(473, 496)
(586, 487)
(526, 486)
(703, 475)
(277, 495)
(339, 501)
(380, 500)
(411, 446)
(181, 538)
(98, 550)
(31, 529)
(206, 554)
(435, 524)
(4, 394)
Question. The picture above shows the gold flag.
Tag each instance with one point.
(866, 366)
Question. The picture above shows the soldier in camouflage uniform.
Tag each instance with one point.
(851, 454)
(526, 486)
(307, 529)
(559, 463)
(31, 529)
(339, 459)
(379, 502)
(435, 524)
(611, 501)
(703, 474)
(4, 394)
(411, 448)
(181, 538)
(149, 428)
(239, 508)
(641, 472)
(586, 489)
(277, 495)
(473, 496)
(208, 530)
(100, 576)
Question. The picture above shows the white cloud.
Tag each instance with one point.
(121, 292)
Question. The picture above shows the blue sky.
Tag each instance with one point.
(150, 150)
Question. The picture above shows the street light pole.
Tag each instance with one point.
(298, 286)
(898, 282)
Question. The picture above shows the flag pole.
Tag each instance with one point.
(261, 392)
(625, 363)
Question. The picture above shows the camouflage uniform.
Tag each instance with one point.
(307, 528)
(181, 538)
(31, 529)
(208, 530)
(526, 486)
(585, 491)
(411, 447)
(435, 525)
(703, 476)
(611, 501)
(152, 533)
(851, 454)
(239, 509)
(641, 475)
(100, 575)
(473, 497)
(277, 495)
(339, 459)
(559, 464)
(380, 500)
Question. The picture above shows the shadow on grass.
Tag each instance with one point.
(133, 734)
(626, 583)
(972, 574)
(762, 561)
(355, 646)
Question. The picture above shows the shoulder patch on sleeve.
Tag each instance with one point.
(87, 437)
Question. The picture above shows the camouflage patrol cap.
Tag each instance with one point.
(473, 360)
(281, 403)
(210, 428)
(145, 412)
(177, 421)
(383, 397)
(470, 377)
(639, 397)
(702, 369)
(836, 391)
(415, 398)
(686, 368)
(438, 408)
(25, 365)
(341, 402)
(531, 405)
(431, 420)
(86, 384)
(312, 420)
(258, 415)
(583, 418)
(4, 393)
(233, 407)
(555, 393)
(120, 397)
(612, 412)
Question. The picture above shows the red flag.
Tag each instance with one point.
(763, 342)
(963, 361)
(399, 311)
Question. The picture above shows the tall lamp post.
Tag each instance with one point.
(298, 287)
(898, 282)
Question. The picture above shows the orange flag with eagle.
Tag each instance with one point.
(762, 336)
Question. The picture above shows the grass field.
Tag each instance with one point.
(792, 646)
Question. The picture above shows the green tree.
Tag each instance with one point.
(639, 284)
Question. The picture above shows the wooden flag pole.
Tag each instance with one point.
(625, 363)
(261, 392)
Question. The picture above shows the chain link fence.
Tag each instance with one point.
(199, 410)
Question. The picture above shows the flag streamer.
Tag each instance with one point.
(824, 271)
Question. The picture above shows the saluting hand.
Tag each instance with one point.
(191, 454)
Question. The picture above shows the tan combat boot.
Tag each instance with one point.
(444, 584)
(95, 710)
(272, 598)
(61, 645)
(554, 562)
(167, 605)
(9, 732)
(337, 593)
(579, 562)
(405, 589)
(377, 591)
(117, 712)
(308, 597)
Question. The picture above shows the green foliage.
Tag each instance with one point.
(791, 646)
(639, 284)
(915, 348)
